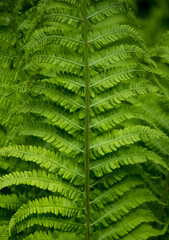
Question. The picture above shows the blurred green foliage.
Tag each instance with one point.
(153, 17)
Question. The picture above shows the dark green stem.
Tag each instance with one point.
(87, 120)
(163, 198)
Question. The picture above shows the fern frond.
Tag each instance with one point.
(68, 225)
(41, 180)
(64, 62)
(39, 235)
(49, 134)
(50, 160)
(58, 206)
(124, 205)
(144, 232)
(80, 158)
(109, 99)
(100, 38)
(101, 198)
(157, 113)
(72, 83)
(43, 6)
(163, 38)
(69, 101)
(160, 51)
(123, 157)
(126, 225)
(112, 77)
(52, 36)
(113, 118)
(6, 76)
(99, 12)
(105, 58)
(118, 175)
(6, 58)
(70, 16)
(111, 141)
(64, 121)
(159, 146)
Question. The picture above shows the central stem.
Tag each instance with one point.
(87, 120)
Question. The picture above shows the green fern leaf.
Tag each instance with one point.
(41, 180)
(144, 232)
(83, 150)
(49, 134)
(115, 211)
(47, 159)
(112, 141)
(57, 206)
(57, 223)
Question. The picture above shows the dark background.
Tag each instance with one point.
(153, 16)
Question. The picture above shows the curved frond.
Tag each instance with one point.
(58, 206)
(41, 180)
(105, 58)
(109, 99)
(123, 157)
(52, 36)
(109, 120)
(64, 121)
(126, 225)
(49, 134)
(69, 102)
(124, 205)
(100, 38)
(70, 16)
(64, 62)
(110, 78)
(72, 83)
(110, 142)
(68, 225)
(100, 12)
(47, 159)
(144, 232)
(101, 198)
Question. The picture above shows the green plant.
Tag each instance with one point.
(80, 158)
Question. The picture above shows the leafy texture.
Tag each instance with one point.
(83, 152)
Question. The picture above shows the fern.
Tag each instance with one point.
(82, 154)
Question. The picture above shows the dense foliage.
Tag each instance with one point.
(84, 123)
